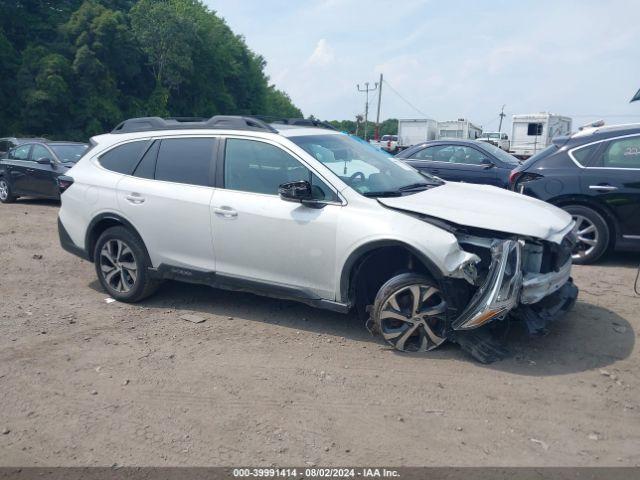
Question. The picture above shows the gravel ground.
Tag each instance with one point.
(269, 382)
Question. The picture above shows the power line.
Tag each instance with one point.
(405, 100)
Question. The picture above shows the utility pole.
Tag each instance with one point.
(366, 90)
(377, 134)
(502, 115)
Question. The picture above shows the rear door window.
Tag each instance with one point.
(185, 160)
(123, 158)
(147, 166)
(21, 153)
(622, 153)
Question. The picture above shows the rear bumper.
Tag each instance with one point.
(68, 245)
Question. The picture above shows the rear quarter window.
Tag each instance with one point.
(123, 158)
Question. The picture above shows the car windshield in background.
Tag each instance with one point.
(69, 153)
(491, 135)
(365, 169)
(500, 154)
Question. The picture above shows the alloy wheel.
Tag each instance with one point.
(412, 319)
(4, 190)
(588, 237)
(118, 265)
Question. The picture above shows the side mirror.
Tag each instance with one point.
(299, 191)
(44, 161)
(486, 163)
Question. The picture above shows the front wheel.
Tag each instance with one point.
(410, 313)
(593, 234)
(6, 195)
(122, 265)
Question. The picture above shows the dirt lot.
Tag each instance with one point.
(263, 381)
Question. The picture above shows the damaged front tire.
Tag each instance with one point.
(410, 313)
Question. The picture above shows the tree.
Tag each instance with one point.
(76, 68)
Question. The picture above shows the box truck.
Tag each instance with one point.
(414, 131)
(458, 129)
(533, 132)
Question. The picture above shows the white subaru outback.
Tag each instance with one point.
(298, 211)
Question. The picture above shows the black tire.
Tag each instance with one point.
(589, 219)
(5, 186)
(125, 284)
(421, 329)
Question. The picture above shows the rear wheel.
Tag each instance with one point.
(593, 234)
(410, 313)
(6, 195)
(122, 265)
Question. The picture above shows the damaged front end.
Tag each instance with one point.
(522, 279)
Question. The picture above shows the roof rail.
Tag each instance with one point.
(221, 122)
(300, 122)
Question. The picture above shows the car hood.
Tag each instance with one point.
(487, 207)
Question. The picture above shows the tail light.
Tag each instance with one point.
(519, 178)
(64, 182)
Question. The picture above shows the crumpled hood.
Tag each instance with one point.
(491, 208)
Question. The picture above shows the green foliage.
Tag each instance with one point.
(387, 127)
(76, 68)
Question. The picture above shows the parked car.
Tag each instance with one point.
(388, 143)
(595, 176)
(313, 215)
(499, 139)
(8, 143)
(32, 169)
(467, 161)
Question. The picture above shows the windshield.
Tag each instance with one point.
(491, 135)
(69, 153)
(500, 154)
(365, 169)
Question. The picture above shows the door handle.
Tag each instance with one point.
(30, 170)
(607, 188)
(135, 198)
(226, 212)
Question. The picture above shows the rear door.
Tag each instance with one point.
(167, 198)
(20, 168)
(456, 163)
(612, 177)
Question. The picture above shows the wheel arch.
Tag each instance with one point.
(102, 222)
(585, 201)
(356, 259)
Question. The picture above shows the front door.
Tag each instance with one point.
(258, 236)
(44, 174)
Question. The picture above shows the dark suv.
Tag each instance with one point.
(594, 175)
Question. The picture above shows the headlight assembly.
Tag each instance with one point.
(500, 291)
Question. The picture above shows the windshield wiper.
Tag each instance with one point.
(415, 186)
(387, 193)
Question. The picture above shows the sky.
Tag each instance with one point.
(449, 60)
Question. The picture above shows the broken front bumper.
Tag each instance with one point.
(505, 288)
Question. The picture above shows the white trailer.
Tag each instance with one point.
(414, 131)
(533, 132)
(460, 129)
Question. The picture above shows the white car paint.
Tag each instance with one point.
(267, 239)
(488, 207)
